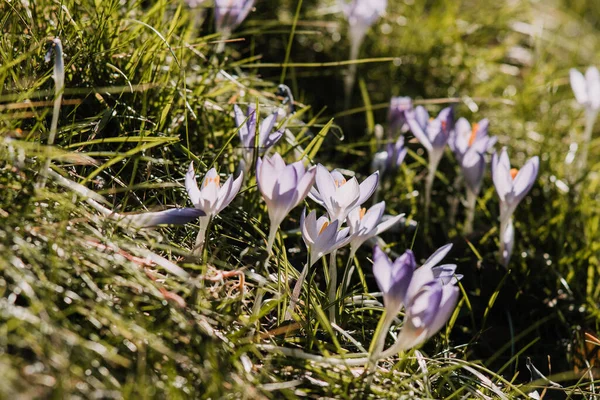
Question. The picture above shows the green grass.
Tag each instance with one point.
(95, 310)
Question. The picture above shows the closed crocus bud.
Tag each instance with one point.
(247, 128)
(320, 236)
(229, 14)
(282, 187)
(338, 195)
(586, 89)
(512, 186)
(393, 278)
(433, 135)
(399, 106)
(211, 197)
(365, 224)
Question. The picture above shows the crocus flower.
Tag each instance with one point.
(338, 195)
(586, 89)
(229, 14)
(512, 185)
(587, 93)
(430, 299)
(361, 14)
(282, 187)
(322, 236)
(247, 128)
(399, 106)
(211, 198)
(433, 135)
(393, 278)
(469, 144)
(365, 224)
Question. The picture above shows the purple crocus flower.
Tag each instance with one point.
(361, 14)
(399, 106)
(247, 128)
(512, 185)
(393, 278)
(210, 198)
(433, 135)
(469, 144)
(365, 224)
(321, 236)
(282, 187)
(430, 299)
(229, 14)
(338, 195)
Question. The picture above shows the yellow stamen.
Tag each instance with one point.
(513, 172)
(473, 134)
(325, 225)
(362, 212)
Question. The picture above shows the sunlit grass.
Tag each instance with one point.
(92, 309)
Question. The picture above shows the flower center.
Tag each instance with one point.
(339, 183)
(325, 225)
(473, 134)
(363, 211)
(513, 173)
(216, 180)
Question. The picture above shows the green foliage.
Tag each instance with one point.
(91, 309)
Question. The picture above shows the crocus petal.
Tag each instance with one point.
(387, 224)
(579, 86)
(175, 216)
(191, 186)
(382, 269)
(418, 131)
(367, 188)
(447, 305)
(473, 167)
(326, 186)
(526, 178)
(228, 191)
(501, 174)
(246, 137)
(437, 256)
(592, 77)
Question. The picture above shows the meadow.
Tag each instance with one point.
(191, 199)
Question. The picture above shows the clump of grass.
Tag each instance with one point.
(90, 308)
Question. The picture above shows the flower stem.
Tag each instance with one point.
(505, 253)
(296, 292)
(201, 238)
(332, 285)
(379, 340)
(271, 240)
(590, 120)
(428, 187)
(470, 212)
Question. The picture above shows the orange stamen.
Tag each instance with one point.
(340, 183)
(513, 172)
(363, 211)
(325, 225)
(216, 180)
(473, 134)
